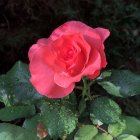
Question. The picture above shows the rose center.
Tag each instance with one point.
(68, 55)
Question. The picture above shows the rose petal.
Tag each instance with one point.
(43, 41)
(95, 37)
(94, 64)
(32, 51)
(103, 58)
(96, 73)
(65, 80)
(73, 27)
(59, 92)
(91, 35)
(41, 78)
(42, 75)
(58, 58)
(98, 44)
(104, 33)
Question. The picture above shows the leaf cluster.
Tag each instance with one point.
(90, 117)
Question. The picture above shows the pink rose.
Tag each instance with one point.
(72, 51)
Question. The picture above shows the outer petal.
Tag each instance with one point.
(42, 41)
(39, 70)
(59, 92)
(98, 44)
(74, 27)
(94, 63)
(42, 76)
(96, 73)
(66, 80)
(104, 33)
(103, 58)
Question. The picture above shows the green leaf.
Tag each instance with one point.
(132, 126)
(95, 120)
(3, 92)
(103, 136)
(71, 135)
(59, 117)
(122, 83)
(32, 123)
(15, 112)
(105, 109)
(127, 137)
(70, 100)
(86, 132)
(104, 74)
(110, 88)
(13, 132)
(15, 87)
(117, 128)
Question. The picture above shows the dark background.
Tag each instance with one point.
(22, 22)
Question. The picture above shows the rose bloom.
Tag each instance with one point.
(72, 51)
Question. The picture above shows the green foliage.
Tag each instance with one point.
(36, 126)
(105, 109)
(110, 88)
(104, 74)
(117, 128)
(86, 132)
(13, 132)
(127, 137)
(3, 93)
(103, 136)
(15, 112)
(132, 126)
(15, 87)
(59, 118)
(32, 123)
(122, 83)
(95, 120)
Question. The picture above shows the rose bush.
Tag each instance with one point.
(72, 51)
